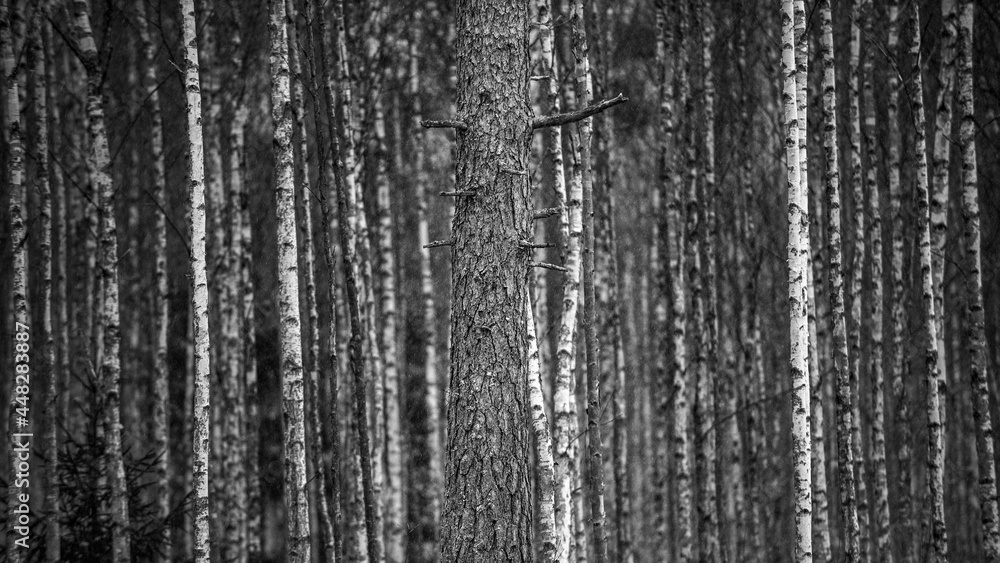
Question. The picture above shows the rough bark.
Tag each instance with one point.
(975, 313)
(487, 503)
(937, 534)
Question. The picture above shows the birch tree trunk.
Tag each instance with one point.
(431, 487)
(571, 226)
(937, 532)
(898, 297)
(60, 372)
(880, 488)
(543, 444)
(974, 287)
(199, 267)
(293, 408)
(941, 162)
(18, 212)
(321, 72)
(798, 263)
(845, 462)
(161, 307)
(111, 337)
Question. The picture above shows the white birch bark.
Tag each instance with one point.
(199, 299)
(974, 287)
(937, 535)
(543, 443)
(110, 337)
(798, 256)
(293, 398)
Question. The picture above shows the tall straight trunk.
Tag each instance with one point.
(872, 208)
(40, 41)
(328, 171)
(292, 385)
(940, 163)
(595, 454)
(387, 297)
(487, 502)
(683, 219)
(318, 498)
(975, 314)
(60, 372)
(666, 276)
(363, 278)
(798, 264)
(937, 533)
(896, 315)
(708, 400)
(854, 291)
(430, 488)
(820, 525)
(160, 307)
(571, 226)
(543, 444)
(109, 381)
(18, 233)
(199, 268)
(845, 454)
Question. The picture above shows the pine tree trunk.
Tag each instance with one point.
(798, 264)
(296, 494)
(109, 380)
(974, 287)
(487, 502)
(936, 532)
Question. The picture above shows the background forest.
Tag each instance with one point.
(253, 267)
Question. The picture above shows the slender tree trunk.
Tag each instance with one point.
(820, 524)
(896, 315)
(18, 233)
(543, 445)
(941, 162)
(296, 494)
(845, 453)
(321, 72)
(60, 373)
(872, 208)
(937, 533)
(430, 488)
(798, 264)
(111, 337)
(196, 203)
(975, 315)
(161, 308)
(571, 226)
